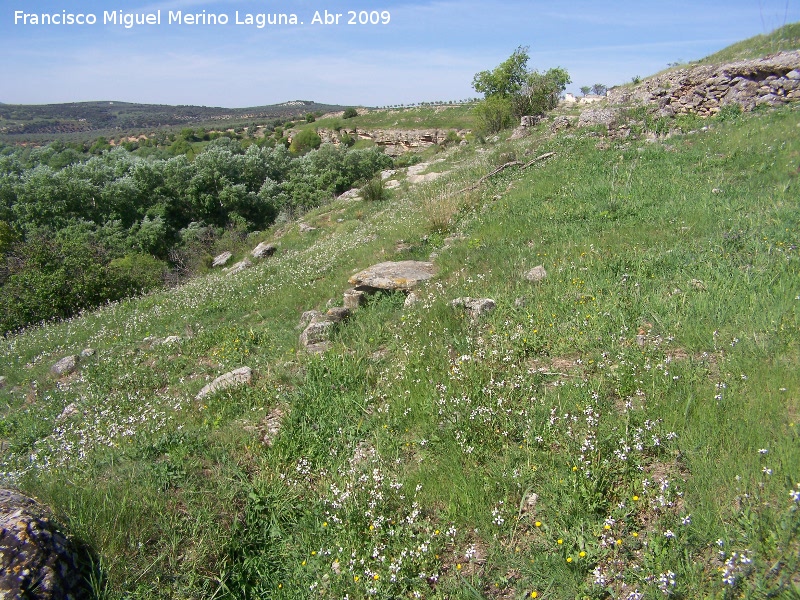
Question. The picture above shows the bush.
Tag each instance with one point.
(729, 112)
(374, 190)
(493, 114)
(306, 140)
(135, 274)
(350, 113)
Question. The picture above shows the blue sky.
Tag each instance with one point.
(429, 50)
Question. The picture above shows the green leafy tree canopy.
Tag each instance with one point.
(512, 91)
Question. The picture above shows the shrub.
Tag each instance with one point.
(306, 140)
(350, 113)
(374, 190)
(493, 114)
(729, 112)
(135, 274)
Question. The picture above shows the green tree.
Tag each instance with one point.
(506, 79)
(350, 113)
(306, 140)
(585, 89)
(512, 91)
(540, 92)
(599, 89)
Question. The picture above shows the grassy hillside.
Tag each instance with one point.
(420, 117)
(783, 38)
(628, 425)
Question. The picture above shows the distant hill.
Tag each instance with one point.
(78, 117)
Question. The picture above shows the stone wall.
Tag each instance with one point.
(394, 141)
(773, 80)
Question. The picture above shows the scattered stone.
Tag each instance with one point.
(2, 382)
(521, 302)
(271, 426)
(172, 339)
(402, 246)
(475, 307)
(221, 259)
(337, 314)
(392, 184)
(263, 250)
(306, 228)
(318, 348)
(319, 330)
(353, 194)
(354, 298)
(388, 173)
(698, 285)
(536, 274)
(308, 316)
(530, 502)
(65, 366)
(641, 340)
(598, 116)
(237, 377)
(87, 352)
(519, 133)
(403, 276)
(561, 122)
(238, 267)
(38, 561)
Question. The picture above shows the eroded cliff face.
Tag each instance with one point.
(704, 90)
(396, 141)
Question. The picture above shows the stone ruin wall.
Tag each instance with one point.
(704, 90)
(394, 141)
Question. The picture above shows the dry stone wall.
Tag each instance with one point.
(394, 141)
(704, 90)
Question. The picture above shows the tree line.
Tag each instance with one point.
(77, 231)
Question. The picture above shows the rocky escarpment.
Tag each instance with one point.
(704, 90)
(396, 141)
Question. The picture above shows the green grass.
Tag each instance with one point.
(632, 391)
(784, 38)
(440, 117)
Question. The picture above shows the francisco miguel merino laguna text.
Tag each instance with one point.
(174, 17)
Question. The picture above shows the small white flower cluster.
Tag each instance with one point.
(737, 565)
(666, 583)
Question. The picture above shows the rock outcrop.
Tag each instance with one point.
(393, 141)
(221, 259)
(403, 276)
(536, 274)
(263, 250)
(240, 376)
(475, 307)
(65, 366)
(704, 90)
(37, 561)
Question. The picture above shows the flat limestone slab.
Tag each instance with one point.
(403, 275)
